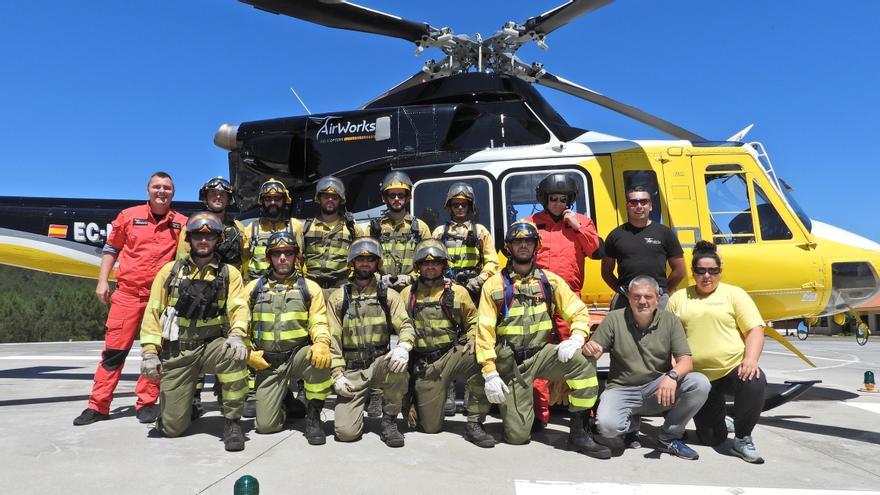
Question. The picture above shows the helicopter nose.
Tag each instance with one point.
(226, 137)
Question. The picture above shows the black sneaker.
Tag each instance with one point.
(631, 440)
(679, 449)
(148, 414)
(89, 416)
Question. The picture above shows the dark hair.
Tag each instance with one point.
(636, 188)
(705, 249)
(160, 174)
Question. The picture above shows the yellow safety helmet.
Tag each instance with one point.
(395, 180)
(275, 186)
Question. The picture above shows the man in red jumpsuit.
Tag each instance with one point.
(567, 240)
(142, 239)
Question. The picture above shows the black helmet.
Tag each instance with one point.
(556, 184)
(218, 183)
(522, 230)
(204, 221)
(281, 240)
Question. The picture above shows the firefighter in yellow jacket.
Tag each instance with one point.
(274, 217)
(445, 322)
(289, 324)
(363, 313)
(196, 322)
(515, 317)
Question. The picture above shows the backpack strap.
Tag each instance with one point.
(253, 297)
(174, 275)
(447, 306)
(307, 224)
(382, 295)
(375, 228)
(255, 227)
(415, 232)
(304, 290)
(346, 299)
(547, 290)
(349, 224)
(507, 297)
(473, 240)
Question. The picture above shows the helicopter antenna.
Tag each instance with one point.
(301, 102)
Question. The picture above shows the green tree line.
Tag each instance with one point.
(41, 307)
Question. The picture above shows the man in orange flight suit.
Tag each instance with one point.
(567, 240)
(142, 239)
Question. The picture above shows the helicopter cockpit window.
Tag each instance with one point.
(729, 208)
(519, 194)
(773, 227)
(482, 125)
(429, 197)
(648, 180)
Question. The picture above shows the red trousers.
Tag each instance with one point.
(123, 325)
(541, 390)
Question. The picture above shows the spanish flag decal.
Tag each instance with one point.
(59, 231)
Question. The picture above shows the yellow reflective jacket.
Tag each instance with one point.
(325, 249)
(463, 256)
(433, 329)
(254, 261)
(398, 242)
(527, 323)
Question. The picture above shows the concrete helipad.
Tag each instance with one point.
(827, 442)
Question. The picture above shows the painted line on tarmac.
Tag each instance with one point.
(60, 358)
(524, 487)
(874, 407)
(841, 362)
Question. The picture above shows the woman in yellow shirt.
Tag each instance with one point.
(726, 334)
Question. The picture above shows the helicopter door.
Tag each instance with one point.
(757, 236)
(518, 191)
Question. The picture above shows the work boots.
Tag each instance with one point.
(314, 431)
(474, 433)
(389, 434)
(233, 438)
(581, 440)
(374, 406)
(449, 405)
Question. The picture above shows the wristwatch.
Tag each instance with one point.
(672, 374)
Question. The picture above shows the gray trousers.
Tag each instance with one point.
(620, 408)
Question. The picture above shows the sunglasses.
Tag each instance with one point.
(395, 195)
(203, 236)
(702, 270)
(641, 201)
(284, 252)
(558, 199)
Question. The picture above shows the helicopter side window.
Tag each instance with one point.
(519, 194)
(429, 196)
(773, 227)
(648, 180)
(729, 208)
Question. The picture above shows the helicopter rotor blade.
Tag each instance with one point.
(556, 18)
(556, 82)
(345, 15)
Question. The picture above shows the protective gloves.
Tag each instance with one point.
(397, 358)
(567, 348)
(256, 360)
(496, 389)
(234, 347)
(388, 280)
(401, 282)
(319, 353)
(474, 284)
(343, 386)
(150, 366)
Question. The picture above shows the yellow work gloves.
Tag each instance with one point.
(319, 353)
(255, 360)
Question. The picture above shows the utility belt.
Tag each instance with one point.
(276, 359)
(522, 353)
(426, 358)
(361, 359)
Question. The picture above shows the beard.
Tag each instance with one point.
(363, 274)
(397, 209)
(271, 211)
(523, 259)
(329, 209)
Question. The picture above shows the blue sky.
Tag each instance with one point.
(94, 96)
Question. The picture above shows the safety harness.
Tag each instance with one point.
(470, 240)
(521, 354)
(367, 350)
(447, 307)
(197, 299)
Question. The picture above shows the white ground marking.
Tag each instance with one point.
(874, 407)
(842, 362)
(565, 488)
(59, 358)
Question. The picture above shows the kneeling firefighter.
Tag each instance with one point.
(445, 321)
(196, 323)
(363, 313)
(289, 324)
(515, 317)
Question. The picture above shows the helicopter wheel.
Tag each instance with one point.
(861, 336)
(802, 335)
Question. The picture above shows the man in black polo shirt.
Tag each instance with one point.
(641, 246)
(644, 342)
